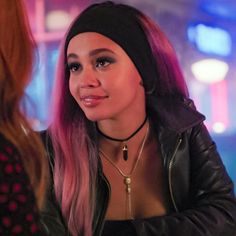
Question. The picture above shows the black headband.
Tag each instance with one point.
(121, 24)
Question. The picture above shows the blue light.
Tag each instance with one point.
(54, 56)
(211, 40)
(220, 8)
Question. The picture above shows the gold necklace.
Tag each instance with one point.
(127, 177)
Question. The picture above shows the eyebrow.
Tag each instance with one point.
(99, 50)
(92, 53)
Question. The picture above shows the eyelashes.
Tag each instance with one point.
(74, 66)
(104, 61)
(100, 63)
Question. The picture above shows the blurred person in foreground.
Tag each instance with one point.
(23, 166)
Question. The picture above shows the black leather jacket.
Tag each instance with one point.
(200, 193)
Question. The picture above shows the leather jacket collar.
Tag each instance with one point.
(175, 114)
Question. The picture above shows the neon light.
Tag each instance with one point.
(224, 9)
(210, 70)
(218, 127)
(219, 101)
(211, 40)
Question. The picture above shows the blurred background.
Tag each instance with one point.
(203, 32)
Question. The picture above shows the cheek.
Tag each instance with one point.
(134, 81)
(74, 91)
(72, 87)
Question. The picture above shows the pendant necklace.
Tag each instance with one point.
(123, 141)
(127, 177)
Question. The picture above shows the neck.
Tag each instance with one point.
(114, 148)
(121, 129)
(123, 139)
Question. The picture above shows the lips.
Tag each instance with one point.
(92, 100)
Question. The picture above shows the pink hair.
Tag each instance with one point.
(75, 158)
(76, 153)
(170, 81)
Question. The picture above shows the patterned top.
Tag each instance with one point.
(18, 210)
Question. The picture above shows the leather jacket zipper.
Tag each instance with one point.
(169, 174)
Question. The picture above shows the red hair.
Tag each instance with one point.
(16, 59)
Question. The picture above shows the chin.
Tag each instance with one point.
(95, 117)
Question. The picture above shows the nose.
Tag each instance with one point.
(88, 78)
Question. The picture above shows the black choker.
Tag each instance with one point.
(125, 147)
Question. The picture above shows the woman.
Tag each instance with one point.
(131, 155)
(23, 166)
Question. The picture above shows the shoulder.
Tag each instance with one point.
(177, 115)
(47, 141)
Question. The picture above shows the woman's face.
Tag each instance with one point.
(103, 79)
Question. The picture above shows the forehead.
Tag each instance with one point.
(90, 41)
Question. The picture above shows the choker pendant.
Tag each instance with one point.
(125, 151)
(125, 147)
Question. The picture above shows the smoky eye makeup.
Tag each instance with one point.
(103, 61)
(74, 66)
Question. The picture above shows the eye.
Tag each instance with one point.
(74, 67)
(104, 61)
